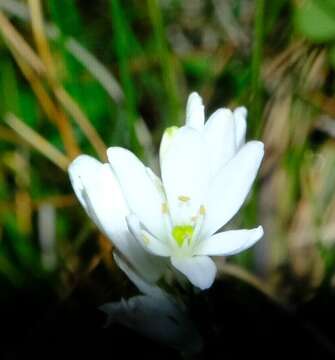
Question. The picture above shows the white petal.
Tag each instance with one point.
(76, 181)
(158, 183)
(240, 115)
(140, 192)
(200, 270)
(229, 242)
(185, 174)
(99, 193)
(220, 138)
(195, 114)
(166, 141)
(149, 242)
(143, 286)
(230, 187)
(97, 188)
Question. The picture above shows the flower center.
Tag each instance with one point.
(181, 233)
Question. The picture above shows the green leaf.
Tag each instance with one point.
(316, 20)
(9, 88)
(69, 24)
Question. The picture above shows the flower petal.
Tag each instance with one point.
(98, 190)
(240, 115)
(200, 270)
(99, 193)
(195, 114)
(229, 242)
(158, 184)
(185, 174)
(76, 181)
(166, 141)
(140, 192)
(220, 138)
(230, 187)
(143, 286)
(149, 242)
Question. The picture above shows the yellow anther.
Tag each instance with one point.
(202, 210)
(146, 240)
(165, 208)
(184, 198)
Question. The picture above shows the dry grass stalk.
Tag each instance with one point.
(61, 94)
(29, 68)
(53, 112)
(83, 122)
(38, 142)
(20, 45)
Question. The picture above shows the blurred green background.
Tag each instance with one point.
(77, 76)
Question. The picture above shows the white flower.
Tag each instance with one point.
(207, 171)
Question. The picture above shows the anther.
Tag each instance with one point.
(146, 240)
(165, 208)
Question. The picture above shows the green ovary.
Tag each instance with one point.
(182, 233)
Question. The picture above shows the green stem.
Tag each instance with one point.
(257, 57)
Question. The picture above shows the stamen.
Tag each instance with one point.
(146, 239)
(165, 208)
(167, 220)
(199, 223)
(184, 198)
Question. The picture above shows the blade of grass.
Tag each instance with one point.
(83, 122)
(54, 114)
(31, 70)
(14, 7)
(123, 53)
(166, 64)
(65, 99)
(256, 67)
(261, 254)
(71, 24)
(23, 203)
(96, 68)
(18, 43)
(10, 94)
(82, 55)
(74, 47)
(48, 69)
(37, 141)
(9, 136)
(40, 40)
